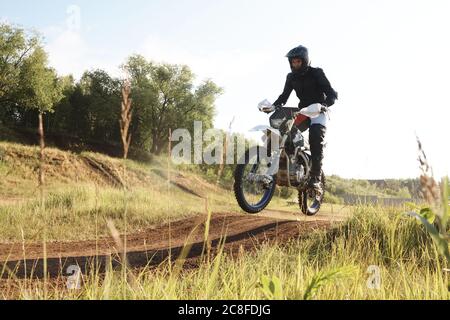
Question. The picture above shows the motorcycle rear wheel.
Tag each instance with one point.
(309, 203)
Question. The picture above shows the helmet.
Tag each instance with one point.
(302, 53)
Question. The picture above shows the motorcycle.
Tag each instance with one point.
(283, 160)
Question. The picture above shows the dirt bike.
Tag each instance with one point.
(283, 160)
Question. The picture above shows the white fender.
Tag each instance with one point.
(313, 111)
(264, 128)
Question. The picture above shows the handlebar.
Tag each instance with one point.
(273, 108)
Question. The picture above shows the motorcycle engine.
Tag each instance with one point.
(296, 173)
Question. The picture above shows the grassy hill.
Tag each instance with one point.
(82, 191)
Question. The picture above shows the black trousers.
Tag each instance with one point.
(317, 134)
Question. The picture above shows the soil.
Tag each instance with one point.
(154, 246)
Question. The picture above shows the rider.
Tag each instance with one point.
(311, 86)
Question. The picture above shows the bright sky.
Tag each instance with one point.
(387, 59)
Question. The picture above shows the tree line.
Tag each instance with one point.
(163, 96)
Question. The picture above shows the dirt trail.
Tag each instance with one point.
(154, 246)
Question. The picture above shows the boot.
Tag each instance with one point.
(316, 140)
(315, 182)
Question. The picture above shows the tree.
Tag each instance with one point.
(99, 106)
(16, 46)
(90, 108)
(165, 98)
(60, 120)
(40, 89)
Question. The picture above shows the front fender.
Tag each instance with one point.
(265, 128)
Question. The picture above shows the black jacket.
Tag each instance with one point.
(311, 87)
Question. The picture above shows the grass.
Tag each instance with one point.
(334, 264)
(325, 265)
(78, 202)
(79, 212)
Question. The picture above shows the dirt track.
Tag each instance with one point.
(154, 246)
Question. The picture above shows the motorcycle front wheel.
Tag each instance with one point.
(253, 196)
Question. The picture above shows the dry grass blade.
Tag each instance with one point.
(429, 188)
(121, 248)
(119, 244)
(126, 115)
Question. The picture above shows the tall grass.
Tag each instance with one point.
(81, 211)
(326, 265)
(333, 264)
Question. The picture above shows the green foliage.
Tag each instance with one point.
(323, 278)
(27, 84)
(339, 187)
(91, 107)
(438, 230)
(332, 199)
(428, 215)
(40, 87)
(164, 98)
(439, 239)
(16, 46)
(271, 287)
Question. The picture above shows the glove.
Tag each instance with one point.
(274, 108)
(277, 107)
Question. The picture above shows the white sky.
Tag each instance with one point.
(387, 59)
